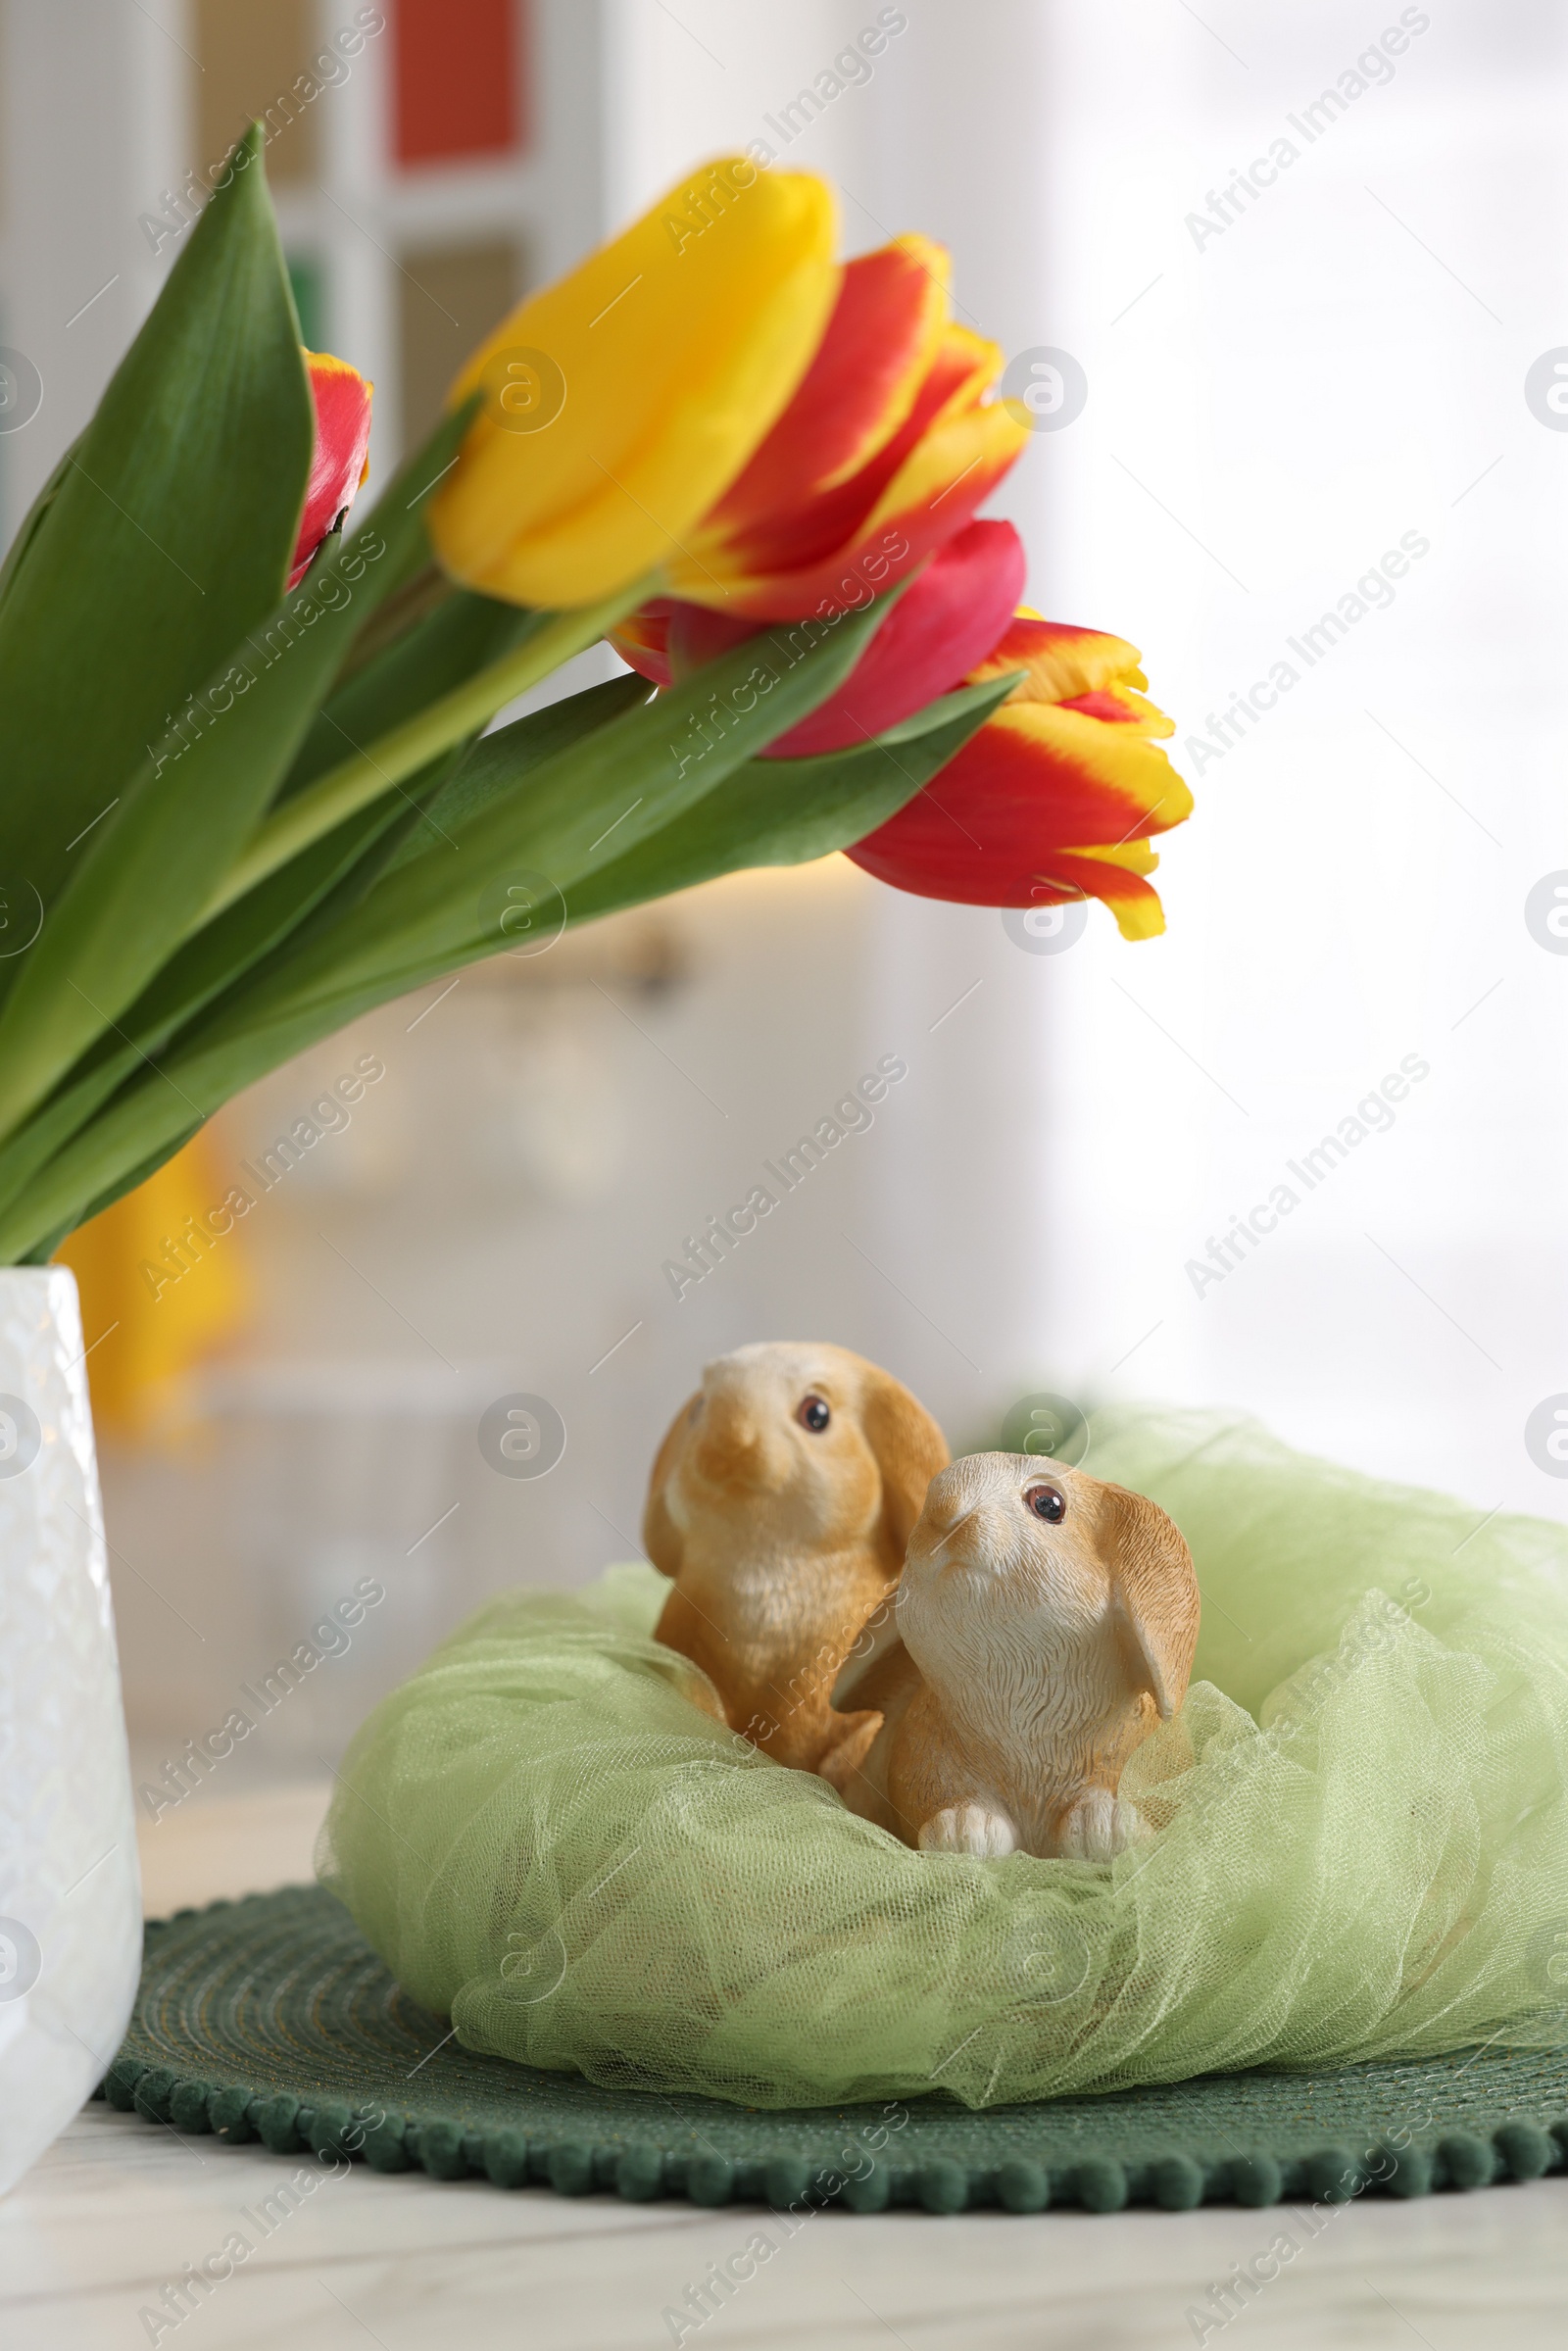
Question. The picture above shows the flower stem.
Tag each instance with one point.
(362, 779)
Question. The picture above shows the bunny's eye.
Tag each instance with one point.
(813, 1414)
(1047, 1502)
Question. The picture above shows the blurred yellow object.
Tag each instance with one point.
(161, 1289)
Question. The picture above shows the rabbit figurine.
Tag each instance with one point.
(1045, 1622)
(780, 1503)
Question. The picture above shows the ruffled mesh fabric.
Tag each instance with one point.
(1362, 1848)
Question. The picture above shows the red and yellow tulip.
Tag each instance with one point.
(882, 456)
(712, 395)
(339, 460)
(1056, 797)
(772, 437)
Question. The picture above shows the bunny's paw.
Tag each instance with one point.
(969, 1828)
(1099, 1826)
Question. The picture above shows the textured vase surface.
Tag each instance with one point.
(69, 1890)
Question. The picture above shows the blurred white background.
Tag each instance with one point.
(1273, 403)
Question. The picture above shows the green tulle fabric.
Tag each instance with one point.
(1360, 1847)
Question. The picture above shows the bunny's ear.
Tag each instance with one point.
(1156, 1594)
(909, 1449)
(661, 1538)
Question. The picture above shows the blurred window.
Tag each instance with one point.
(252, 55)
(459, 70)
(449, 297)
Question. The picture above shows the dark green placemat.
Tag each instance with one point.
(272, 2018)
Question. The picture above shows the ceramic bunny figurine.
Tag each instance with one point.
(780, 1503)
(1044, 1623)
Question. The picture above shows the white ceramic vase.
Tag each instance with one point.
(70, 1890)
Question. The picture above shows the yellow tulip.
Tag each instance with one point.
(621, 403)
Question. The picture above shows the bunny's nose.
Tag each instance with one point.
(729, 1448)
(948, 1498)
(727, 1426)
(946, 1515)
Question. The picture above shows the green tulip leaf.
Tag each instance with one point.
(464, 634)
(322, 881)
(787, 811)
(182, 821)
(74, 1153)
(521, 802)
(771, 811)
(618, 785)
(164, 536)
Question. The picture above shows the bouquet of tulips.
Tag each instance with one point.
(254, 788)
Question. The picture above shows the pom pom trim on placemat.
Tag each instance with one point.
(270, 2021)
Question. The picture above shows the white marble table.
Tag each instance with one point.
(118, 2209)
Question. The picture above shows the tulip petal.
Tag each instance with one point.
(339, 462)
(658, 366)
(1064, 878)
(806, 516)
(922, 488)
(1075, 669)
(1137, 857)
(1032, 799)
(1060, 662)
(1082, 781)
(939, 628)
(1099, 873)
(880, 342)
(927, 644)
(641, 641)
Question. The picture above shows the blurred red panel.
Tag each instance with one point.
(457, 79)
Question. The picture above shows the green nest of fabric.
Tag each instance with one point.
(1360, 1847)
